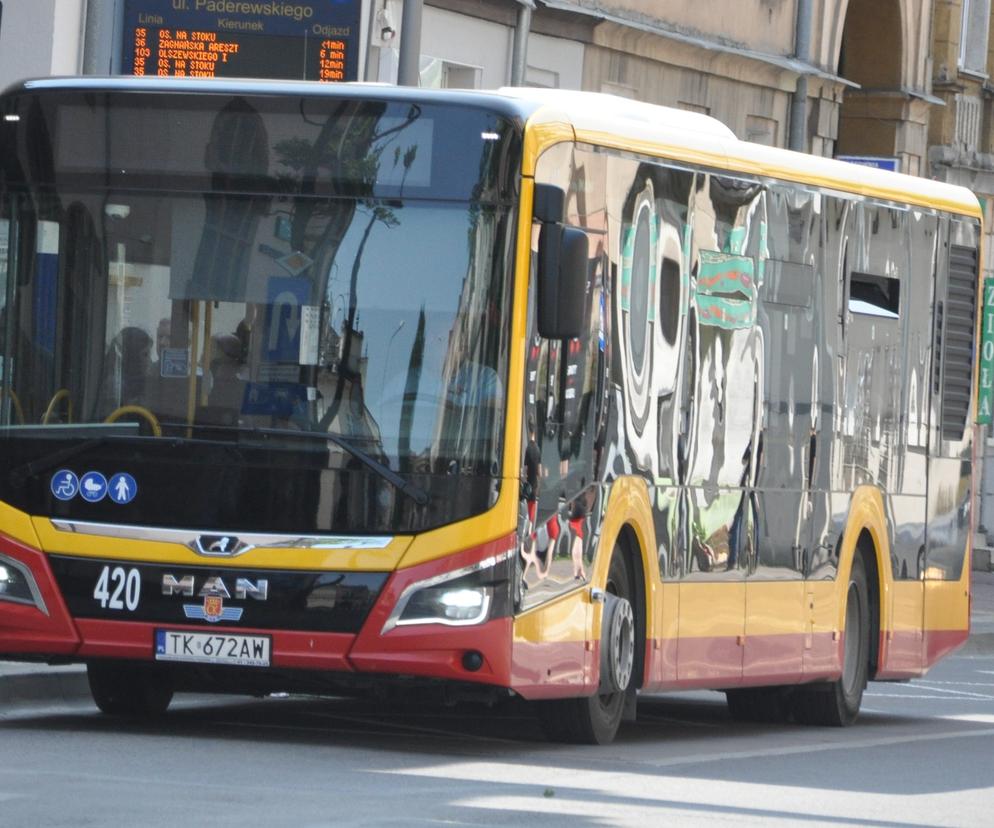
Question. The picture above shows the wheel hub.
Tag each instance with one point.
(617, 645)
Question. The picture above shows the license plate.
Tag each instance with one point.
(212, 648)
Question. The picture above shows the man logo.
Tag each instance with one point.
(214, 591)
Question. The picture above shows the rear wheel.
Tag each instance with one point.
(129, 689)
(837, 704)
(595, 719)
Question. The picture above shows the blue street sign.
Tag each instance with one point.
(284, 298)
(877, 162)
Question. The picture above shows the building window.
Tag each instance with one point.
(761, 130)
(973, 36)
(444, 74)
(542, 78)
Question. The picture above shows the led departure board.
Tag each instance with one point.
(293, 40)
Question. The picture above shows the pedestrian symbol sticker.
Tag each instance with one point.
(93, 486)
(65, 484)
(122, 488)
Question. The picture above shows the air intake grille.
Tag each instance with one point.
(956, 341)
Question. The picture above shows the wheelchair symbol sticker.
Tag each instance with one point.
(65, 484)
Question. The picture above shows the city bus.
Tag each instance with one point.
(470, 395)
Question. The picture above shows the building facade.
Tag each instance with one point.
(854, 74)
(961, 149)
(43, 37)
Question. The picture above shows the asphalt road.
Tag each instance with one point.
(920, 754)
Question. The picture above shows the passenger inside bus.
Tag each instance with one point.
(227, 380)
(126, 369)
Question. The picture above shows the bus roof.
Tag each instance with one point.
(691, 137)
(592, 117)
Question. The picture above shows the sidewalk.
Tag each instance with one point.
(25, 684)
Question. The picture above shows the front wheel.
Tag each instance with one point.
(129, 689)
(595, 719)
(837, 704)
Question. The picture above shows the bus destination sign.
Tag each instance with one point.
(292, 40)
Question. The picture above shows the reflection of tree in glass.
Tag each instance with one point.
(237, 151)
(411, 394)
(346, 158)
(478, 336)
(378, 212)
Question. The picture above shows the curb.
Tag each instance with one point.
(41, 686)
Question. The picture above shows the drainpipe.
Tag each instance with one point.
(102, 38)
(409, 72)
(798, 137)
(519, 55)
(367, 69)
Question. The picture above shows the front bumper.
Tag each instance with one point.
(66, 629)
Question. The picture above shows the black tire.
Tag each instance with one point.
(758, 704)
(593, 720)
(836, 704)
(129, 689)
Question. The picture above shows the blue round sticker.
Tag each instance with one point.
(93, 486)
(122, 488)
(65, 484)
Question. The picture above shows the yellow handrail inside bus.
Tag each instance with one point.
(191, 397)
(17, 403)
(62, 393)
(141, 411)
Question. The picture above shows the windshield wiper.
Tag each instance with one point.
(97, 434)
(19, 476)
(412, 490)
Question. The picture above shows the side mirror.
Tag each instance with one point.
(549, 204)
(562, 281)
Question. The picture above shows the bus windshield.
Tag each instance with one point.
(271, 313)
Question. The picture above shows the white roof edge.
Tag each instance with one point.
(854, 178)
(583, 107)
(653, 123)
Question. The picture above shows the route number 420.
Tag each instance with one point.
(118, 588)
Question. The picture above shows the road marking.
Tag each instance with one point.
(522, 773)
(656, 811)
(979, 718)
(918, 697)
(928, 688)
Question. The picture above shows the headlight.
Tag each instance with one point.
(18, 585)
(466, 605)
(466, 596)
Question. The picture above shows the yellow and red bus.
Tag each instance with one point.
(341, 388)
